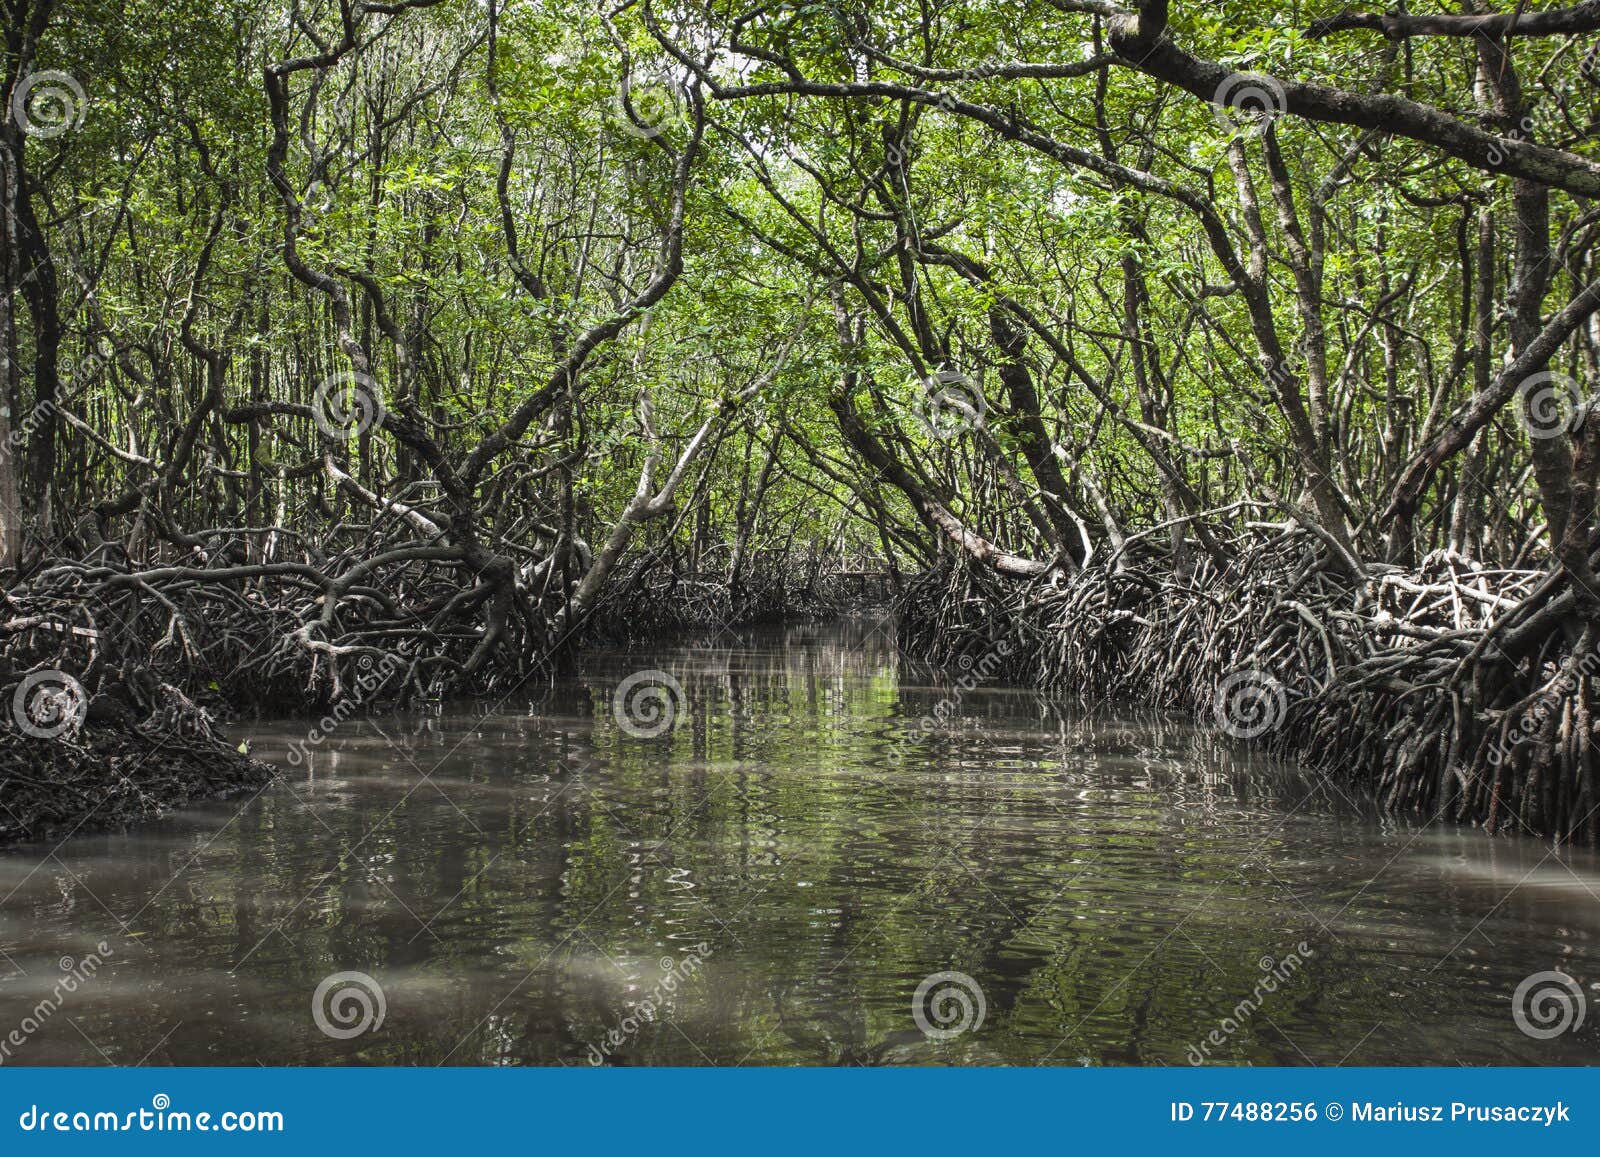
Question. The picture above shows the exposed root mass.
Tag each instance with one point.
(1446, 690)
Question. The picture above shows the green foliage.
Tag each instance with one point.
(397, 156)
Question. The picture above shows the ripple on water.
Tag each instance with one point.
(512, 876)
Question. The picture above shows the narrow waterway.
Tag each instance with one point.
(769, 880)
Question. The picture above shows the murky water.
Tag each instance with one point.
(770, 880)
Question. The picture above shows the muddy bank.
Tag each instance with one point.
(114, 693)
(74, 759)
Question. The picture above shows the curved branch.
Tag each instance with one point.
(1583, 17)
(1142, 41)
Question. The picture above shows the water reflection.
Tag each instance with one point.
(519, 879)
